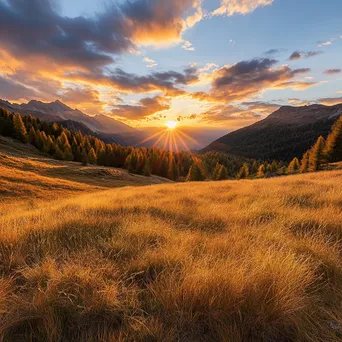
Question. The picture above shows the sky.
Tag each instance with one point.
(209, 63)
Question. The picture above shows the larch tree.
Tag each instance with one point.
(293, 166)
(333, 147)
(223, 173)
(92, 156)
(304, 163)
(20, 131)
(244, 172)
(317, 155)
(195, 174)
(261, 171)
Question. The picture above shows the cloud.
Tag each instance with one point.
(332, 71)
(233, 115)
(150, 62)
(231, 7)
(326, 43)
(168, 82)
(33, 27)
(299, 55)
(272, 51)
(13, 91)
(188, 46)
(85, 99)
(298, 102)
(330, 101)
(145, 107)
(247, 79)
(208, 67)
(261, 107)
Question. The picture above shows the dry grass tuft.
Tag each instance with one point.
(227, 261)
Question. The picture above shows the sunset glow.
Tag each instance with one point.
(186, 63)
(171, 124)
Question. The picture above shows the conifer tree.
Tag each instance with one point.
(92, 156)
(195, 174)
(147, 170)
(52, 145)
(254, 167)
(261, 171)
(293, 166)
(244, 172)
(223, 173)
(333, 148)
(59, 152)
(84, 157)
(164, 168)
(33, 137)
(20, 132)
(317, 155)
(216, 171)
(304, 163)
(274, 166)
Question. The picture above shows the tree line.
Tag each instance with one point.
(324, 151)
(64, 144)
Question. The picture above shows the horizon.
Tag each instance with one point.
(204, 64)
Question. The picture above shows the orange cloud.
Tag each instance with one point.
(231, 7)
(146, 107)
(330, 101)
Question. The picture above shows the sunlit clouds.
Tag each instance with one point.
(231, 7)
(147, 62)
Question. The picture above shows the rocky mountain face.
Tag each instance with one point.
(58, 111)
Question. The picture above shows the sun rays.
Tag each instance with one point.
(172, 139)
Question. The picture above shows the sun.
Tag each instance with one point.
(171, 124)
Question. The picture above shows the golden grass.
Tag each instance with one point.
(219, 261)
(26, 175)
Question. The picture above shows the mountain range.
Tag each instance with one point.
(109, 129)
(58, 111)
(286, 133)
(283, 135)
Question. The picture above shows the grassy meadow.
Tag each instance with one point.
(219, 261)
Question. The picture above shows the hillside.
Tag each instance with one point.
(285, 134)
(168, 263)
(25, 173)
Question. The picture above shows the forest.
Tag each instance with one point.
(61, 143)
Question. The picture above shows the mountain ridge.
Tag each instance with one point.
(57, 111)
(286, 133)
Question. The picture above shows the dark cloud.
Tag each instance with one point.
(299, 55)
(14, 91)
(146, 107)
(247, 78)
(34, 27)
(168, 82)
(332, 71)
(51, 49)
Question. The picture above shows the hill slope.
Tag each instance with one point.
(25, 173)
(285, 134)
(168, 263)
